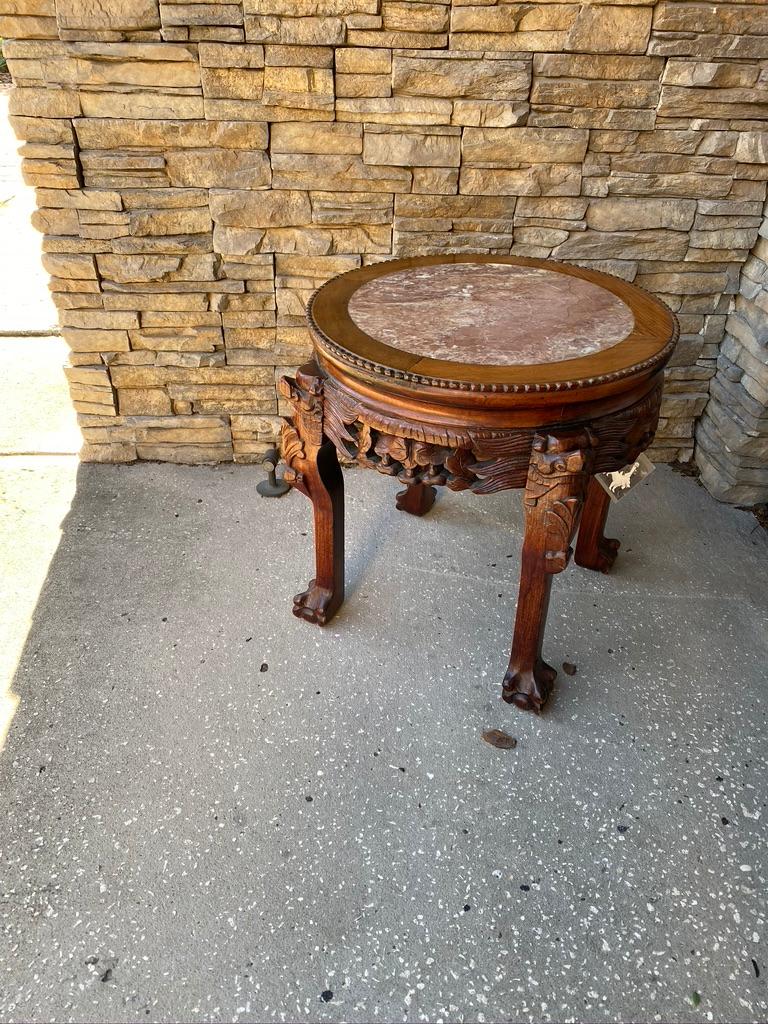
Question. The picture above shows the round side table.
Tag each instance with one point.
(479, 373)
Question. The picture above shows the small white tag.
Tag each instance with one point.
(623, 480)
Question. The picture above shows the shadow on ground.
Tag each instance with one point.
(213, 811)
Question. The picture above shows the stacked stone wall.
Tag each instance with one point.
(732, 435)
(202, 167)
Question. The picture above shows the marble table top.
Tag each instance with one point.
(490, 313)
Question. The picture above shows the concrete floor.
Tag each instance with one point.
(213, 811)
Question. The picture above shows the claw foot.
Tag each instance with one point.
(316, 604)
(602, 559)
(529, 689)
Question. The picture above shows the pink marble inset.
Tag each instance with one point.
(492, 314)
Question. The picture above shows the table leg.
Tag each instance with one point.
(557, 480)
(593, 549)
(417, 499)
(313, 468)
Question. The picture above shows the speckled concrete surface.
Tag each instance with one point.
(213, 811)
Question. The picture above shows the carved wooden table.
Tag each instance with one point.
(480, 373)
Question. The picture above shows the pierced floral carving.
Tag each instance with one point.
(484, 461)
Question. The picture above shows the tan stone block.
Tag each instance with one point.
(176, 339)
(329, 241)
(80, 199)
(461, 78)
(539, 180)
(36, 102)
(110, 133)
(78, 267)
(336, 174)
(306, 88)
(116, 16)
(713, 103)
(415, 243)
(192, 359)
(510, 147)
(418, 17)
(631, 119)
(407, 149)
(74, 300)
(731, 238)
(225, 55)
(233, 83)
(31, 8)
(722, 74)
(594, 67)
(185, 455)
(125, 269)
(628, 214)
(190, 430)
(250, 110)
(117, 301)
(144, 65)
(489, 113)
(213, 33)
(140, 105)
(311, 8)
(309, 31)
(677, 184)
(659, 244)
(436, 180)
(218, 168)
(363, 85)
(610, 29)
(180, 319)
(306, 137)
(293, 269)
(94, 339)
(676, 16)
(552, 27)
(510, 18)
(89, 405)
(262, 338)
(266, 426)
(170, 222)
(41, 129)
(752, 147)
(160, 244)
(164, 198)
(143, 402)
(56, 222)
(351, 207)
(199, 14)
(460, 214)
(22, 27)
(604, 94)
(252, 321)
(278, 55)
(97, 375)
(214, 376)
(357, 60)
(397, 40)
(396, 110)
(246, 209)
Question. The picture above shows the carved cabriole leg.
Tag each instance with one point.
(554, 495)
(593, 549)
(313, 468)
(417, 499)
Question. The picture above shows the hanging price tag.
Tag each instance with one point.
(623, 480)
